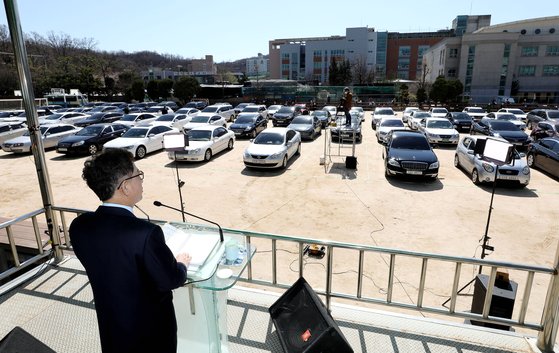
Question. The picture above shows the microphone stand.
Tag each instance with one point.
(159, 204)
(180, 184)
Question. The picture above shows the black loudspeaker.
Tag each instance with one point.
(351, 162)
(502, 303)
(20, 341)
(304, 325)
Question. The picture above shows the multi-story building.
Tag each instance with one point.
(519, 59)
(257, 67)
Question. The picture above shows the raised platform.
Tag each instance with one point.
(56, 306)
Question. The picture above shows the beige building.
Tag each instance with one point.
(517, 59)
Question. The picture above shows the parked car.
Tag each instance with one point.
(204, 142)
(50, 134)
(501, 128)
(408, 152)
(284, 116)
(545, 129)
(178, 121)
(332, 109)
(134, 119)
(188, 111)
(273, 110)
(62, 118)
(346, 133)
(224, 110)
(544, 154)
(248, 125)
(141, 140)
(439, 131)
(205, 119)
(307, 125)
(272, 148)
(359, 111)
(90, 139)
(9, 130)
(104, 108)
(99, 118)
(171, 104)
(386, 125)
(196, 104)
(257, 108)
(379, 113)
(407, 111)
(159, 110)
(416, 117)
(322, 115)
(438, 112)
(520, 114)
(483, 171)
(460, 120)
(535, 116)
(239, 107)
(508, 117)
(477, 113)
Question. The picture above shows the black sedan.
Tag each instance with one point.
(99, 118)
(248, 125)
(501, 128)
(90, 139)
(408, 152)
(544, 154)
(324, 117)
(308, 126)
(284, 116)
(460, 120)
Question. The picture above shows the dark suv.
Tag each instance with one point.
(408, 152)
(284, 116)
(537, 115)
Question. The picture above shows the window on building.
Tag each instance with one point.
(529, 51)
(453, 52)
(552, 50)
(404, 75)
(527, 70)
(551, 70)
(403, 64)
(451, 73)
(421, 50)
(404, 51)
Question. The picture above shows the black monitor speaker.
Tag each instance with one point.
(502, 302)
(18, 341)
(304, 325)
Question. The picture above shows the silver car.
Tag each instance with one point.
(51, 134)
(12, 130)
(272, 148)
(482, 171)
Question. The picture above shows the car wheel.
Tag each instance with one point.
(284, 163)
(298, 149)
(208, 155)
(92, 149)
(530, 160)
(475, 177)
(456, 161)
(140, 152)
(230, 144)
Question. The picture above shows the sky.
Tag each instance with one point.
(232, 30)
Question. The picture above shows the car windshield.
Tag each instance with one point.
(245, 119)
(392, 123)
(553, 114)
(306, 120)
(507, 117)
(319, 113)
(136, 133)
(440, 110)
(410, 142)
(199, 135)
(166, 117)
(476, 110)
(359, 109)
(269, 139)
(274, 107)
(251, 109)
(421, 115)
(503, 126)
(96, 116)
(43, 130)
(199, 119)
(128, 117)
(54, 117)
(460, 116)
(384, 112)
(90, 131)
(286, 110)
(439, 124)
(516, 111)
(210, 109)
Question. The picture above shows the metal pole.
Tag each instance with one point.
(548, 335)
(485, 237)
(37, 148)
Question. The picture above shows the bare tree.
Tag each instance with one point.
(361, 73)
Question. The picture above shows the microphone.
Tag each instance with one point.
(159, 204)
(145, 214)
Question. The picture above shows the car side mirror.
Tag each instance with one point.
(471, 152)
(151, 135)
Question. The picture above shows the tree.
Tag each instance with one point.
(404, 93)
(421, 95)
(164, 88)
(137, 90)
(186, 88)
(361, 74)
(152, 90)
(339, 74)
(445, 91)
(333, 72)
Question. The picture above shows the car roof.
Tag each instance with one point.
(437, 119)
(207, 127)
(280, 130)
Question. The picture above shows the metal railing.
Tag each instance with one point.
(546, 326)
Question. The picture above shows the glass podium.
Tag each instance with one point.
(201, 304)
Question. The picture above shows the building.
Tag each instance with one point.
(257, 67)
(203, 70)
(517, 59)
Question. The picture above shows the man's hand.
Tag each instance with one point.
(184, 258)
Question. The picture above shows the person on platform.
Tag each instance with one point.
(346, 102)
(130, 268)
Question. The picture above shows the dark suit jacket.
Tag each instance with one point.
(132, 273)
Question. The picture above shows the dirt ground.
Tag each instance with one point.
(447, 216)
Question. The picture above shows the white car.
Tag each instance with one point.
(379, 113)
(9, 131)
(386, 125)
(188, 111)
(438, 112)
(332, 109)
(415, 117)
(205, 119)
(141, 140)
(273, 109)
(360, 112)
(172, 120)
(256, 108)
(134, 119)
(475, 113)
(50, 134)
(225, 110)
(272, 148)
(203, 143)
(509, 117)
(439, 131)
(407, 112)
(62, 118)
(517, 112)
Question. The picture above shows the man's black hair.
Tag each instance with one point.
(103, 171)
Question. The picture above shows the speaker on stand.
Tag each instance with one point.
(304, 325)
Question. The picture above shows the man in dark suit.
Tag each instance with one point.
(131, 270)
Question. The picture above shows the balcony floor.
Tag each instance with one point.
(56, 306)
